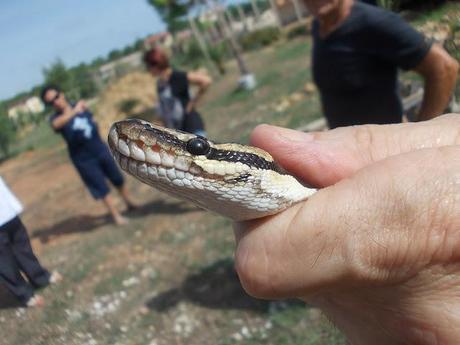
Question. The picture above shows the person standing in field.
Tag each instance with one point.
(89, 154)
(16, 254)
(177, 107)
(357, 51)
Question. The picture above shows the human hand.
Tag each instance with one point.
(190, 107)
(80, 107)
(378, 249)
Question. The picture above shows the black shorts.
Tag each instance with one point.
(94, 173)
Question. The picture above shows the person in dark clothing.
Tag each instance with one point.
(16, 254)
(357, 52)
(89, 154)
(370, 2)
(177, 107)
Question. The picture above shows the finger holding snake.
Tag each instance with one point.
(377, 249)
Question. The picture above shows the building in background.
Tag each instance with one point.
(32, 105)
(118, 67)
(289, 11)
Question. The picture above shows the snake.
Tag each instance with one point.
(237, 181)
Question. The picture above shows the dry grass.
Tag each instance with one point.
(137, 88)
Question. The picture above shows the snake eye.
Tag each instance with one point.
(198, 146)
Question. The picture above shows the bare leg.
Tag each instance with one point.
(117, 217)
(126, 197)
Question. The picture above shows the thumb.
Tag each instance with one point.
(323, 158)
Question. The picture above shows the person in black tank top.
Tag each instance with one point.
(177, 107)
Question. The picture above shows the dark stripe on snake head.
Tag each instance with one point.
(247, 158)
(166, 137)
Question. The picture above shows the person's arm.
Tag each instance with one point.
(439, 71)
(397, 42)
(202, 81)
(377, 249)
(60, 121)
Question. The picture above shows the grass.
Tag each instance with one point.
(41, 136)
(280, 71)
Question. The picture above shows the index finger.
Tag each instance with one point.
(323, 158)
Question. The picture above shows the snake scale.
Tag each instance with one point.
(237, 181)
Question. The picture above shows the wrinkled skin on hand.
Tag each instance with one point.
(378, 247)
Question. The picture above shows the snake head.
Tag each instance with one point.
(235, 180)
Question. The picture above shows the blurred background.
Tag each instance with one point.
(167, 277)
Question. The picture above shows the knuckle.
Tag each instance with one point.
(254, 274)
(366, 137)
(450, 124)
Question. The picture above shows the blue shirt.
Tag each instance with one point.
(356, 66)
(82, 137)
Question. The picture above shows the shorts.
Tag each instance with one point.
(95, 171)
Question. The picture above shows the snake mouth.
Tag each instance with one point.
(152, 162)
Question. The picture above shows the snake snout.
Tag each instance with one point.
(113, 137)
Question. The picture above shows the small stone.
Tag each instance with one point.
(245, 332)
(237, 337)
(97, 305)
(268, 325)
(130, 282)
(144, 310)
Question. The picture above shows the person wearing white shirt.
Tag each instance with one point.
(16, 254)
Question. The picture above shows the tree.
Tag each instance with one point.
(7, 132)
(58, 74)
(172, 12)
(77, 82)
(83, 80)
(114, 54)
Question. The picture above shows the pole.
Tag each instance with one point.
(277, 14)
(298, 11)
(255, 9)
(228, 34)
(242, 16)
(200, 40)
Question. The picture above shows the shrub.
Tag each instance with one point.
(218, 54)
(127, 105)
(7, 135)
(259, 38)
(191, 55)
(299, 30)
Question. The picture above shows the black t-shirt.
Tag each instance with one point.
(174, 96)
(356, 66)
(82, 136)
(370, 2)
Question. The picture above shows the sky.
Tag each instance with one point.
(35, 33)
